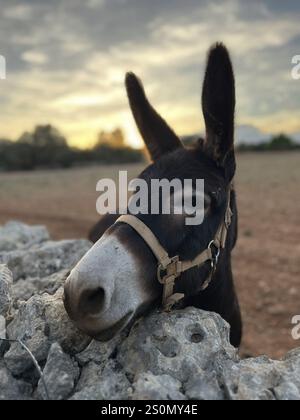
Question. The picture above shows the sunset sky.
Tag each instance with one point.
(66, 61)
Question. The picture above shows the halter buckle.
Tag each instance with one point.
(170, 272)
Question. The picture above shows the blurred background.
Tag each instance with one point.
(65, 123)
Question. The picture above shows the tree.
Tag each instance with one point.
(46, 147)
(43, 136)
(49, 146)
(112, 139)
(281, 142)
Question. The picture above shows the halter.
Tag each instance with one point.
(170, 268)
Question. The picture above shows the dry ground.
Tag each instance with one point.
(266, 260)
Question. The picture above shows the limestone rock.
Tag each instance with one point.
(150, 387)
(6, 281)
(98, 352)
(29, 325)
(110, 385)
(11, 388)
(91, 374)
(60, 375)
(25, 289)
(181, 344)
(44, 259)
(16, 235)
(181, 355)
(41, 321)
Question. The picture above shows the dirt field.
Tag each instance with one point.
(266, 260)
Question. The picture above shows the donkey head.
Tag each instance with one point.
(116, 281)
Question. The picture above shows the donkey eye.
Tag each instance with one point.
(216, 198)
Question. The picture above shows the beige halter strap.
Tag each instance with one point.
(169, 269)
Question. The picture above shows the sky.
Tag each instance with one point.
(66, 61)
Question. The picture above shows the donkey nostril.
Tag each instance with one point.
(92, 301)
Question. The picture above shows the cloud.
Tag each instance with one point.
(71, 58)
(173, 47)
(18, 12)
(34, 57)
(93, 4)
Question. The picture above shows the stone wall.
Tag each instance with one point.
(182, 355)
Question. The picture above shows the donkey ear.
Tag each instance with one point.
(158, 136)
(218, 104)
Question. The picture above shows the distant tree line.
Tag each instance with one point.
(46, 147)
(276, 143)
(280, 142)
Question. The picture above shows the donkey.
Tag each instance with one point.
(116, 281)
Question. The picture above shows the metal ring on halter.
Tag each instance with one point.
(215, 258)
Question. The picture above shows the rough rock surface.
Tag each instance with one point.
(15, 235)
(6, 281)
(44, 259)
(184, 355)
(60, 374)
(11, 388)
